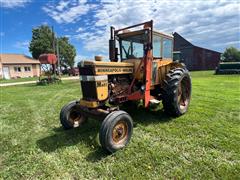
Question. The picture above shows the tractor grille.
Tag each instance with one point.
(89, 90)
(86, 70)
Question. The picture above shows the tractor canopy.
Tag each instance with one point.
(132, 44)
(134, 41)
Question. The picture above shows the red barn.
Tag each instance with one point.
(196, 58)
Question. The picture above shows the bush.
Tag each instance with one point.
(231, 54)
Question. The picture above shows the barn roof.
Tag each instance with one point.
(184, 43)
(17, 59)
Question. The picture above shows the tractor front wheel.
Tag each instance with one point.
(177, 92)
(116, 131)
(70, 116)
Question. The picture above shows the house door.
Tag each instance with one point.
(6, 73)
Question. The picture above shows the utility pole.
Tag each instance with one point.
(58, 59)
(53, 40)
(53, 44)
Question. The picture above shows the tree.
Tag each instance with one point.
(44, 41)
(67, 52)
(231, 54)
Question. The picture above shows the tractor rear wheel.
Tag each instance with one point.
(70, 116)
(116, 131)
(177, 92)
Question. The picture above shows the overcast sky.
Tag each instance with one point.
(213, 24)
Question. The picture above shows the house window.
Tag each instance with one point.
(27, 68)
(17, 69)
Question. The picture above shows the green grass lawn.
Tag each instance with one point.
(18, 80)
(202, 144)
(3, 81)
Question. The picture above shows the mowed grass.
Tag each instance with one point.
(18, 80)
(202, 144)
(5, 81)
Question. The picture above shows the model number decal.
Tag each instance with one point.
(102, 83)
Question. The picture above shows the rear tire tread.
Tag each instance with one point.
(170, 90)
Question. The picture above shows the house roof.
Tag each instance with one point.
(17, 59)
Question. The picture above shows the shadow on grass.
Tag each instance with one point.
(88, 133)
(141, 115)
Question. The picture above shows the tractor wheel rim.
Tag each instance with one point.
(75, 118)
(183, 93)
(120, 132)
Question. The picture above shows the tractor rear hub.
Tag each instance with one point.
(184, 93)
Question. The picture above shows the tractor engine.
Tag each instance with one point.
(102, 81)
(118, 84)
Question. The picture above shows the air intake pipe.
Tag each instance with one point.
(113, 51)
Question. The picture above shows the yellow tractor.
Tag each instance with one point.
(140, 68)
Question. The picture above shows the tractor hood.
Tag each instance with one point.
(104, 68)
